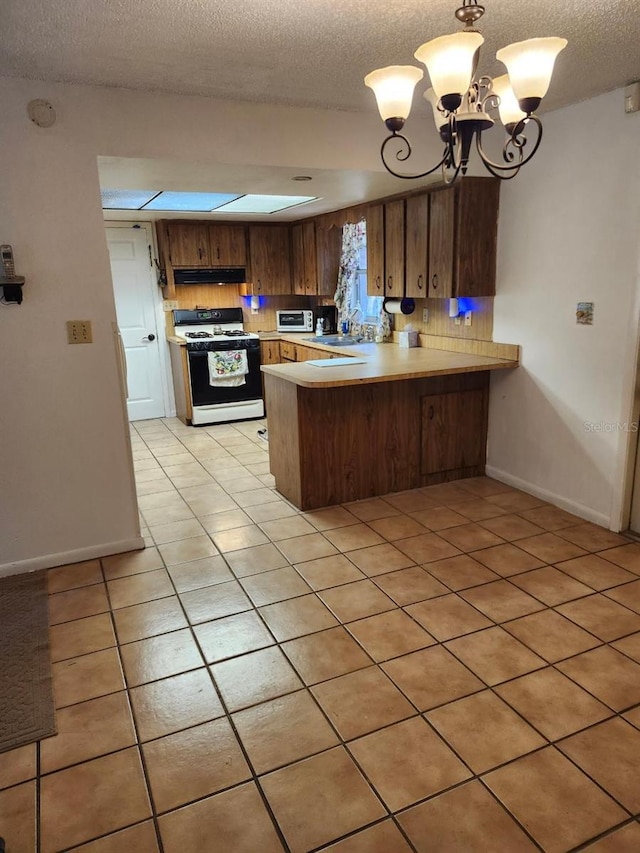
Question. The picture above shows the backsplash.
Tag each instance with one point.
(440, 323)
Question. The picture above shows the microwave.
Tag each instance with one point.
(297, 320)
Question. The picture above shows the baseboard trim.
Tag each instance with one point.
(551, 497)
(49, 561)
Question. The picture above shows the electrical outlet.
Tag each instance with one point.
(467, 317)
(170, 305)
(425, 315)
(79, 332)
(458, 320)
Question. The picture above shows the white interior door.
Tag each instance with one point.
(134, 288)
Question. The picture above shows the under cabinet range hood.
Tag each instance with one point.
(217, 275)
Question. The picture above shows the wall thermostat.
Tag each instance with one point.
(41, 113)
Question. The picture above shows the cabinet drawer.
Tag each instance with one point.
(287, 351)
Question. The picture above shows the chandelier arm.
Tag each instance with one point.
(517, 141)
(405, 156)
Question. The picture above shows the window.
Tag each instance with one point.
(368, 306)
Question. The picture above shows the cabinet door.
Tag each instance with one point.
(394, 248)
(476, 237)
(417, 246)
(228, 245)
(309, 253)
(328, 251)
(270, 352)
(269, 250)
(441, 241)
(297, 259)
(188, 244)
(375, 250)
(454, 433)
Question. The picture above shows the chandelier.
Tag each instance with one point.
(461, 101)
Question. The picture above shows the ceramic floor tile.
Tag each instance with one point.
(439, 518)
(80, 637)
(431, 677)
(287, 528)
(297, 617)
(194, 763)
(327, 519)
(87, 677)
(633, 717)
(137, 589)
(410, 585)
(379, 559)
(397, 527)
(466, 819)
(372, 509)
(511, 527)
(447, 617)
(550, 635)
(74, 576)
(407, 762)
(187, 529)
(299, 549)
(384, 837)
(272, 510)
(325, 655)
(171, 514)
(160, 657)
(18, 765)
(411, 501)
(18, 817)
(461, 572)
(603, 617)
(356, 600)
(553, 800)
(592, 538)
(228, 813)
(149, 619)
(494, 655)
(389, 635)
(214, 602)
(609, 676)
(447, 493)
(501, 600)
(167, 706)
(239, 538)
(188, 549)
(78, 603)
(353, 537)
(88, 730)
(362, 701)
(256, 497)
(217, 522)
(427, 548)
(200, 573)
(169, 498)
(140, 838)
(131, 563)
(283, 730)
(629, 595)
(470, 537)
(625, 840)
(92, 799)
(329, 571)
(625, 556)
(630, 646)
(478, 509)
(610, 754)
(232, 636)
(207, 504)
(252, 561)
(550, 548)
(551, 586)
(277, 585)
(550, 517)
(507, 560)
(255, 677)
(552, 703)
(320, 799)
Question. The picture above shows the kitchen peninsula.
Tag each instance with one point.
(402, 419)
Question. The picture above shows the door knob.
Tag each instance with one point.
(150, 337)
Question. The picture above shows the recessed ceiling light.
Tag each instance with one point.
(302, 178)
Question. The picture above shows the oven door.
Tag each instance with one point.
(204, 394)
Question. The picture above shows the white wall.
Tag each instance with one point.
(66, 486)
(570, 232)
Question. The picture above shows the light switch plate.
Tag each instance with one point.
(468, 315)
(79, 332)
(425, 315)
(170, 305)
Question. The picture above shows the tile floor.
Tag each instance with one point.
(451, 669)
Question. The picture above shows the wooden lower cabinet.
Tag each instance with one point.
(269, 352)
(332, 445)
(181, 384)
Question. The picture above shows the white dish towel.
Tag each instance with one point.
(227, 369)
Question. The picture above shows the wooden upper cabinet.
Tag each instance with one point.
(188, 244)
(375, 250)
(394, 248)
(269, 252)
(463, 231)
(310, 262)
(328, 255)
(297, 259)
(417, 246)
(228, 245)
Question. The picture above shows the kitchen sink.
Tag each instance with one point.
(335, 340)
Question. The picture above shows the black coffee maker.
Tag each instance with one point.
(329, 316)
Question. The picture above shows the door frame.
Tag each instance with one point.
(168, 398)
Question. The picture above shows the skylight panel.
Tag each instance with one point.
(264, 203)
(126, 199)
(189, 202)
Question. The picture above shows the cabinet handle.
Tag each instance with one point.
(420, 283)
(431, 413)
(259, 285)
(378, 282)
(200, 252)
(434, 281)
(390, 283)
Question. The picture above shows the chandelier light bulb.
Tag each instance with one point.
(393, 87)
(509, 108)
(449, 61)
(530, 66)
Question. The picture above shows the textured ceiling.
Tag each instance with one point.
(312, 53)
